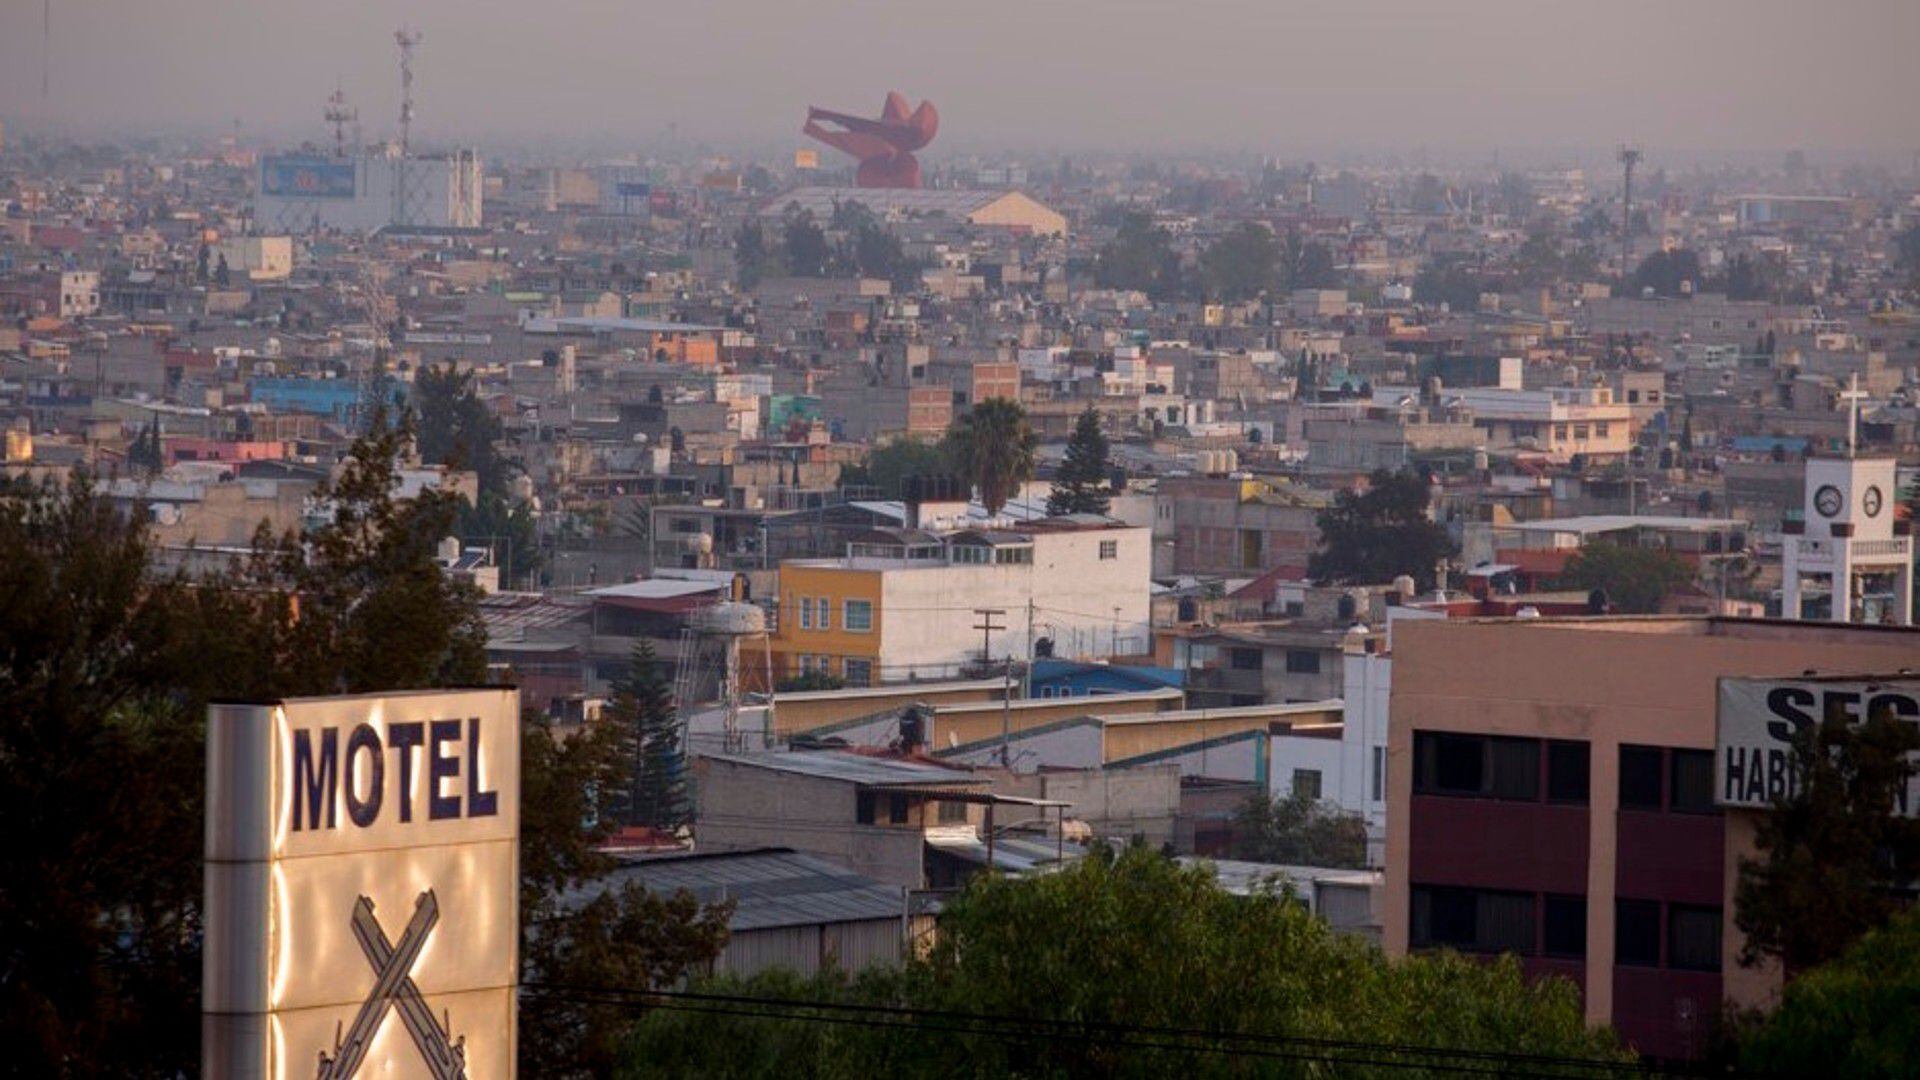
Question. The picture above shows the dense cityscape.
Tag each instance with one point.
(672, 606)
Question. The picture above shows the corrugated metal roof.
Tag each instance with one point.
(770, 887)
(859, 769)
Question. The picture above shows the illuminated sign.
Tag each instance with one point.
(362, 886)
(1754, 760)
(305, 176)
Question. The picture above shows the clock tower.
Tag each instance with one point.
(1845, 559)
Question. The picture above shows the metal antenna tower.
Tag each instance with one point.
(340, 114)
(407, 40)
(1629, 156)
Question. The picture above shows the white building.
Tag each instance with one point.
(1844, 560)
(296, 193)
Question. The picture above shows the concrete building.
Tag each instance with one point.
(1560, 422)
(1550, 793)
(901, 605)
(299, 193)
(1847, 558)
(256, 258)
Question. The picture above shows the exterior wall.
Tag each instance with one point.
(1074, 746)
(1293, 754)
(1362, 786)
(742, 807)
(1216, 527)
(807, 950)
(959, 725)
(795, 637)
(1606, 682)
(807, 711)
(1242, 757)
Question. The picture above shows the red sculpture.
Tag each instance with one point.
(884, 146)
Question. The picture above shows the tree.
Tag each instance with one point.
(1906, 255)
(507, 527)
(1837, 852)
(1379, 534)
(643, 711)
(803, 244)
(1091, 957)
(1850, 1017)
(1080, 486)
(1241, 264)
(455, 428)
(1299, 830)
(1665, 272)
(752, 260)
(889, 465)
(1139, 258)
(1635, 579)
(222, 276)
(993, 449)
(1449, 281)
(145, 456)
(810, 680)
(1306, 264)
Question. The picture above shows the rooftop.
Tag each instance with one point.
(862, 769)
(770, 887)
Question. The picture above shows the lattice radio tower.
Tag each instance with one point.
(340, 114)
(407, 40)
(1629, 156)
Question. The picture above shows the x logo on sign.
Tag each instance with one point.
(394, 986)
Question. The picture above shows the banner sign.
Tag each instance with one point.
(1758, 719)
(362, 886)
(303, 176)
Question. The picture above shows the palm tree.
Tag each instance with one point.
(993, 449)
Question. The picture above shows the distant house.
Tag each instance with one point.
(1075, 678)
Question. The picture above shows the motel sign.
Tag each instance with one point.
(362, 887)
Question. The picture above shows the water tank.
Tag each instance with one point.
(450, 549)
(1528, 612)
(699, 543)
(1480, 459)
(729, 618)
(1232, 460)
(1404, 585)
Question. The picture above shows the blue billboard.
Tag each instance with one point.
(305, 176)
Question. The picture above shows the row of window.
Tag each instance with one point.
(854, 671)
(1646, 933)
(1299, 661)
(1671, 779)
(816, 613)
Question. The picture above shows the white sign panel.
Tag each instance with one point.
(363, 887)
(1758, 719)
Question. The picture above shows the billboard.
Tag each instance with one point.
(362, 886)
(303, 176)
(1758, 719)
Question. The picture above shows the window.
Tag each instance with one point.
(806, 613)
(1636, 933)
(1692, 790)
(1579, 432)
(806, 663)
(1600, 430)
(1564, 926)
(859, 616)
(823, 613)
(1693, 937)
(1472, 920)
(1639, 778)
(972, 554)
(897, 809)
(1379, 773)
(857, 672)
(1567, 771)
(1245, 659)
(1109, 549)
(1303, 662)
(1516, 768)
(1306, 783)
(953, 813)
(1560, 431)
(863, 804)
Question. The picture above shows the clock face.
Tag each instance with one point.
(1870, 501)
(1827, 500)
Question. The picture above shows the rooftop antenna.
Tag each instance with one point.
(1629, 156)
(340, 114)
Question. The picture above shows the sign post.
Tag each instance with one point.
(362, 886)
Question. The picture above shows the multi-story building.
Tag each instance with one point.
(902, 603)
(1559, 422)
(1551, 793)
(1235, 527)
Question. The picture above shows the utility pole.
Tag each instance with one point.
(1026, 687)
(986, 628)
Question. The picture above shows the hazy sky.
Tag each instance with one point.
(1263, 76)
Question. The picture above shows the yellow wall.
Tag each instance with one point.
(1131, 740)
(972, 723)
(838, 585)
(816, 709)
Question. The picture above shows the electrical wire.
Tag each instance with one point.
(990, 1024)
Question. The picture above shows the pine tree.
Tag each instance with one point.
(649, 729)
(1080, 486)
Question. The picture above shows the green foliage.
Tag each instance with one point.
(1379, 534)
(1131, 941)
(1855, 1016)
(145, 455)
(1748, 278)
(456, 429)
(868, 249)
(753, 261)
(992, 448)
(1080, 486)
(1452, 282)
(1140, 258)
(643, 711)
(1241, 264)
(507, 526)
(1906, 255)
(889, 465)
(1665, 272)
(1834, 856)
(1299, 830)
(1306, 264)
(803, 245)
(1635, 579)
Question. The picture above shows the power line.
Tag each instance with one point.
(1475, 1061)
